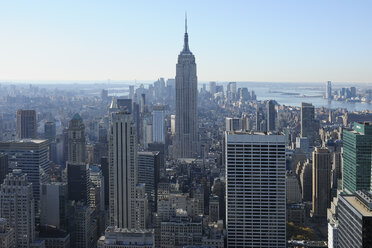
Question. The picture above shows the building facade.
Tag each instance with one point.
(26, 124)
(186, 103)
(255, 190)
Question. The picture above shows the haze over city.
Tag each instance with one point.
(268, 41)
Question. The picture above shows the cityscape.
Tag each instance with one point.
(181, 162)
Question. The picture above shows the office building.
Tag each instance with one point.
(3, 166)
(186, 103)
(50, 130)
(53, 237)
(78, 182)
(97, 188)
(17, 207)
(321, 182)
(355, 220)
(32, 157)
(76, 140)
(125, 104)
(271, 116)
(306, 180)
(233, 124)
(255, 190)
(261, 122)
(26, 124)
(158, 124)
(309, 127)
(6, 235)
(126, 238)
(148, 174)
(53, 205)
(122, 170)
(357, 157)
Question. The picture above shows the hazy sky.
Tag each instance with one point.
(277, 40)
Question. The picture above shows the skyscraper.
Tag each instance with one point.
(233, 124)
(3, 166)
(186, 102)
(158, 124)
(271, 116)
(321, 182)
(32, 157)
(17, 207)
(355, 220)
(255, 190)
(329, 90)
(357, 157)
(76, 140)
(26, 124)
(50, 130)
(122, 170)
(309, 127)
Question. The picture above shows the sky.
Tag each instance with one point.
(268, 41)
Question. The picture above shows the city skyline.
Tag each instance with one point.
(265, 41)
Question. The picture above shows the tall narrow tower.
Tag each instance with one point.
(186, 102)
(123, 170)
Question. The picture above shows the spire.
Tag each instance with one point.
(186, 39)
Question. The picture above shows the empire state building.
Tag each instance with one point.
(186, 103)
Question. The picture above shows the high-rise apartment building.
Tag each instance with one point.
(321, 182)
(122, 170)
(355, 220)
(186, 103)
(271, 116)
(76, 140)
(158, 124)
(357, 157)
(26, 124)
(32, 157)
(255, 190)
(17, 207)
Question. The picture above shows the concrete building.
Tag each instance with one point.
(255, 172)
(53, 237)
(186, 103)
(6, 235)
(306, 180)
(76, 140)
(17, 207)
(126, 238)
(321, 182)
(355, 220)
(233, 124)
(357, 157)
(122, 170)
(158, 124)
(32, 157)
(179, 232)
(26, 124)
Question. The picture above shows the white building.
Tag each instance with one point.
(126, 238)
(17, 206)
(255, 190)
